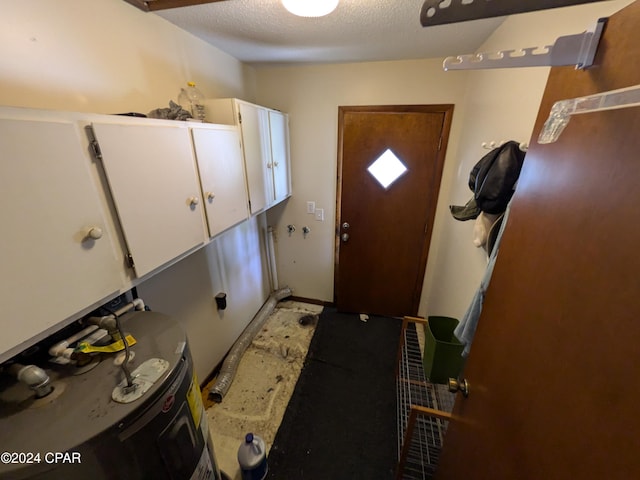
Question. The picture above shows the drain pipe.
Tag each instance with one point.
(61, 349)
(272, 259)
(230, 364)
(109, 323)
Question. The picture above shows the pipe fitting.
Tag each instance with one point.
(138, 304)
(33, 377)
(59, 348)
(109, 323)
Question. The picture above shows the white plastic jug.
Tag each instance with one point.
(252, 458)
(192, 100)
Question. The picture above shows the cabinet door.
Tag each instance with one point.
(51, 267)
(221, 176)
(152, 176)
(279, 136)
(255, 141)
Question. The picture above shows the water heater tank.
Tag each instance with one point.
(80, 431)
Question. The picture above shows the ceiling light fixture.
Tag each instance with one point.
(310, 8)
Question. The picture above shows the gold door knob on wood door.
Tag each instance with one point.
(456, 385)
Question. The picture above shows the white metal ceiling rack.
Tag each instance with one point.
(439, 12)
(579, 50)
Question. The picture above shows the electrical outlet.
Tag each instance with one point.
(319, 214)
(311, 207)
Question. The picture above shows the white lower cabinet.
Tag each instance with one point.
(152, 176)
(219, 157)
(57, 252)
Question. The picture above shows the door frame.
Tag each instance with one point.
(447, 111)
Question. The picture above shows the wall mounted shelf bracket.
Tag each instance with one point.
(579, 50)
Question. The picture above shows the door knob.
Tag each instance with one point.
(345, 225)
(210, 196)
(345, 237)
(456, 385)
(94, 233)
(193, 201)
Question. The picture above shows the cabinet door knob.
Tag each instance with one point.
(193, 201)
(275, 164)
(94, 233)
(211, 196)
(269, 165)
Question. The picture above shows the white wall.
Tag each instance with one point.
(233, 263)
(311, 95)
(106, 56)
(489, 105)
(500, 105)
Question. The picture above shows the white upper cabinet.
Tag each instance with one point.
(265, 141)
(151, 171)
(219, 157)
(72, 224)
(58, 252)
(279, 135)
(254, 125)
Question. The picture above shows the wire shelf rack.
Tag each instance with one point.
(423, 410)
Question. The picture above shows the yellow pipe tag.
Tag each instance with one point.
(114, 347)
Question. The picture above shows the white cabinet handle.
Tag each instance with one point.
(269, 165)
(193, 201)
(211, 196)
(275, 164)
(94, 233)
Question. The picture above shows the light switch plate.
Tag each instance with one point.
(311, 207)
(319, 214)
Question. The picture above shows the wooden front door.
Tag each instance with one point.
(552, 370)
(384, 229)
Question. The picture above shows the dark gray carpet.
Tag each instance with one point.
(341, 420)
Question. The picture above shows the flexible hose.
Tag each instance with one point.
(230, 364)
(124, 365)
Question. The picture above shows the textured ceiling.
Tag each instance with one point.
(263, 32)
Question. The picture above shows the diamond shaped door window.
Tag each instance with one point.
(387, 168)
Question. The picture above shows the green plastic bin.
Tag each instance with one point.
(442, 357)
